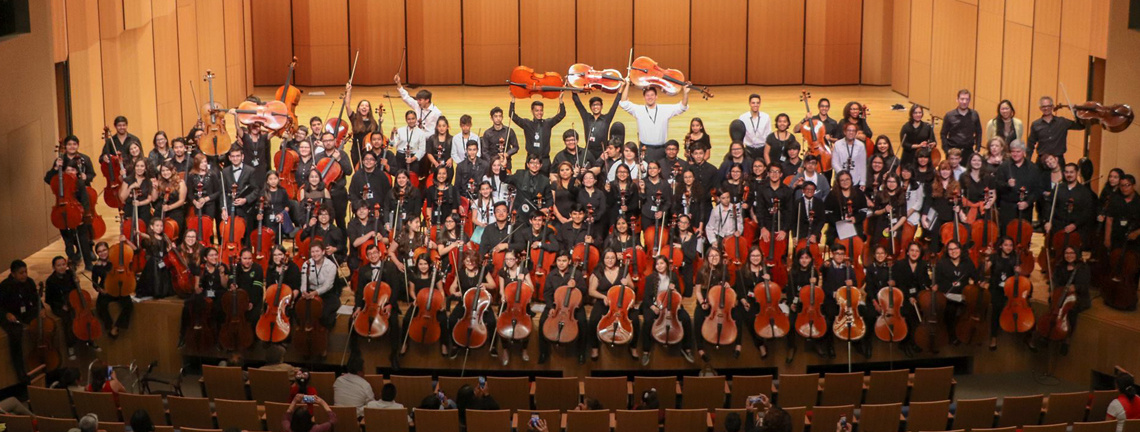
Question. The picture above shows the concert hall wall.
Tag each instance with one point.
(1121, 86)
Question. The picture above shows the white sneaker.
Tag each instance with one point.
(71, 353)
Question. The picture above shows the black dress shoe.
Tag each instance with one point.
(542, 358)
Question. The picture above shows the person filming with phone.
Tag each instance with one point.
(300, 420)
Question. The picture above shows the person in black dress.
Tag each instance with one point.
(605, 277)
(714, 273)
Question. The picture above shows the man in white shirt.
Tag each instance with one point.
(410, 143)
(849, 154)
(426, 112)
(725, 220)
(318, 275)
(459, 142)
(351, 389)
(652, 119)
(757, 127)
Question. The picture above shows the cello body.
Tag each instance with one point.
(1054, 323)
(719, 328)
(561, 325)
(973, 324)
(810, 322)
(514, 323)
(930, 334)
(273, 326)
(181, 279)
(771, 321)
(121, 279)
(84, 325)
(1017, 317)
(848, 324)
(615, 327)
(470, 331)
(310, 338)
(424, 328)
(890, 326)
(43, 329)
(372, 322)
(235, 333)
(1120, 290)
(667, 327)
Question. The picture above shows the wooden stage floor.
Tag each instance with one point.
(1105, 337)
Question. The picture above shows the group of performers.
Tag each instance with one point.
(613, 240)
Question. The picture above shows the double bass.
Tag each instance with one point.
(43, 329)
(273, 325)
(561, 325)
(470, 331)
(216, 141)
(289, 96)
(848, 325)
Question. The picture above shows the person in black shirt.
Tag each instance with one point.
(566, 275)
(1072, 276)
(578, 157)
(255, 146)
(58, 285)
(249, 277)
(471, 170)
(663, 280)
(837, 273)
(916, 134)
(596, 124)
(1049, 135)
(538, 130)
(77, 241)
(332, 236)
(953, 272)
(911, 275)
(1001, 265)
(773, 213)
(1014, 177)
(373, 176)
(496, 236)
(500, 141)
(830, 126)
(337, 191)
(705, 172)
(529, 185)
(1075, 208)
(671, 165)
(373, 272)
(19, 302)
(118, 143)
(807, 220)
(961, 127)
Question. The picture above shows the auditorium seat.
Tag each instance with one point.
(886, 387)
(450, 385)
(274, 414)
(1067, 408)
(553, 418)
(721, 413)
(975, 414)
(190, 412)
(489, 421)
(17, 423)
(51, 403)
(377, 383)
(112, 426)
(164, 429)
(588, 421)
(636, 421)
(323, 382)
(152, 404)
(385, 420)
(611, 392)
(223, 382)
(555, 393)
(410, 390)
(1058, 427)
(686, 420)
(744, 386)
(798, 390)
(1098, 405)
(187, 429)
(99, 403)
(666, 389)
(345, 418)
(927, 416)
(1001, 429)
(52, 424)
(510, 393)
(799, 418)
(880, 417)
(932, 384)
(1097, 426)
(842, 389)
(241, 414)
(703, 392)
(824, 418)
(269, 385)
(1020, 410)
(1132, 425)
(437, 420)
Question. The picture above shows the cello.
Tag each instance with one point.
(1017, 317)
(810, 322)
(289, 96)
(645, 72)
(286, 161)
(561, 326)
(583, 253)
(929, 333)
(181, 279)
(233, 230)
(273, 326)
(216, 140)
(583, 76)
(735, 246)
(377, 217)
(1024, 231)
(815, 136)
(310, 338)
(67, 214)
(263, 238)
(120, 279)
(470, 331)
(1054, 324)
(957, 231)
(542, 258)
(112, 169)
(1060, 239)
(719, 328)
(667, 327)
(235, 332)
(424, 328)
(524, 82)
(984, 231)
(855, 248)
(775, 249)
(200, 222)
(43, 329)
(890, 326)
(513, 322)
(848, 325)
(615, 327)
(372, 322)
(84, 326)
(973, 322)
(771, 321)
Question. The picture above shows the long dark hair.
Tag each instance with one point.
(1126, 384)
(98, 375)
(998, 122)
(302, 421)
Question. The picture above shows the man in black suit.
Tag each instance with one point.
(242, 175)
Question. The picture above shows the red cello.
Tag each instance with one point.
(771, 321)
(644, 72)
(372, 322)
(1017, 316)
(263, 238)
(470, 331)
(583, 76)
(524, 82)
(112, 170)
(815, 136)
(984, 231)
(810, 322)
(233, 231)
(615, 327)
(583, 253)
(196, 220)
(774, 250)
(1022, 232)
(424, 328)
(514, 323)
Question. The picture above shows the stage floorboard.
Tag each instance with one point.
(1105, 337)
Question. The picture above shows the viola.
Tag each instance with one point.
(930, 333)
(1022, 232)
(973, 322)
(310, 338)
(583, 76)
(372, 322)
(667, 327)
(645, 72)
(719, 328)
(286, 160)
(848, 324)
(233, 231)
(513, 322)
(470, 331)
(771, 321)
(984, 232)
(216, 140)
(180, 277)
(890, 326)
(1017, 317)
(561, 325)
(815, 136)
(84, 326)
(43, 353)
(273, 325)
(263, 238)
(524, 82)
(774, 249)
(112, 169)
(810, 322)
(1114, 118)
(203, 224)
(424, 328)
(120, 279)
(290, 96)
(615, 327)
(235, 332)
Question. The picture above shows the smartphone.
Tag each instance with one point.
(534, 420)
(482, 382)
(442, 398)
(843, 422)
(110, 370)
(309, 399)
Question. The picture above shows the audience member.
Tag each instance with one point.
(387, 398)
(589, 404)
(275, 361)
(732, 422)
(296, 420)
(140, 421)
(101, 378)
(89, 423)
(351, 389)
(476, 398)
(650, 401)
(1126, 406)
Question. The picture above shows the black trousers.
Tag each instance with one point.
(77, 244)
(653, 152)
(340, 207)
(953, 310)
(596, 315)
(65, 322)
(15, 332)
(102, 309)
(578, 346)
(650, 317)
(997, 303)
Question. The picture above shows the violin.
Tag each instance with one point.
(615, 327)
(929, 334)
(180, 277)
(44, 352)
(1023, 231)
(233, 231)
(112, 170)
(513, 322)
(470, 331)
(1017, 317)
(1114, 118)
(719, 328)
(310, 338)
(771, 321)
(372, 321)
(984, 231)
(667, 327)
(424, 328)
(815, 136)
(263, 238)
(120, 279)
(216, 140)
(645, 72)
(562, 325)
(524, 82)
(848, 325)
(273, 326)
(890, 326)
(196, 220)
(290, 96)
(583, 76)
(84, 326)
(810, 322)
(775, 249)
(235, 332)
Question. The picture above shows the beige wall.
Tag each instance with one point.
(1121, 149)
(27, 137)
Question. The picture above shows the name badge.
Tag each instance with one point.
(912, 291)
(23, 309)
(537, 137)
(752, 294)
(1123, 222)
(370, 195)
(210, 293)
(255, 163)
(161, 264)
(653, 208)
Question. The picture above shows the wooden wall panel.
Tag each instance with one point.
(1098, 40)
(128, 68)
(719, 36)
(1043, 79)
(952, 52)
(490, 40)
(549, 44)
(377, 30)
(434, 43)
(247, 48)
(320, 41)
(1019, 12)
(167, 79)
(1015, 69)
(834, 50)
(235, 13)
(921, 19)
(900, 58)
(878, 41)
(1076, 23)
(86, 80)
(58, 31)
(136, 13)
(188, 62)
(775, 42)
(987, 73)
(662, 37)
(272, 40)
(605, 33)
(1073, 62)
(1120, 86)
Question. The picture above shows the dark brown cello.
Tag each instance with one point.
(720, 328)
(470, 331)
(235, 333)
(561, 325)
(973, 323)
(43, 329)
(1017, 317)
(84, 326)
(810, 322)
(1022, 232)
(930, 334)
(310, 338)
(372, 322)
(890, 326)
(1054, 324)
